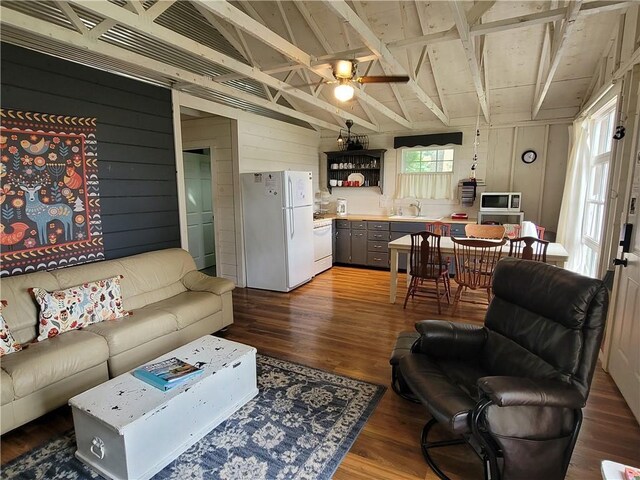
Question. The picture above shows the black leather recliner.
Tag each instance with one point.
(513, 389)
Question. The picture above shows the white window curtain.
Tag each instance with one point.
(575, 190)
(431, 186)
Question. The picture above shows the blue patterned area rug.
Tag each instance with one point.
(300, 426)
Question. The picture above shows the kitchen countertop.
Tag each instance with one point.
(404, 218)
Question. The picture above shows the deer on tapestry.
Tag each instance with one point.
(43, 213)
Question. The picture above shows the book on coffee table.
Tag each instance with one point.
(167, 373)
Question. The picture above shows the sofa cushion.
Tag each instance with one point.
(8, 344)
(6, 388)
(148, 277)
(21, 312)
(44, 363)
(142, 326)
(78, 306)
(154, 276)
(190, 307)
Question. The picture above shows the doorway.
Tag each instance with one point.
(200, 208)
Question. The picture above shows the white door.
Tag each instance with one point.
(624, 360)
(624, 351)
(197, 178)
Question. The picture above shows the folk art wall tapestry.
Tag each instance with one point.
(49, 197)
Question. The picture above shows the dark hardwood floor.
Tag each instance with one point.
(343, 322)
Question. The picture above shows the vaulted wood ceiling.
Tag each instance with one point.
(503, 60)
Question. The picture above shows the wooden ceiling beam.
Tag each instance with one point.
(547, 16)
(71, 15)
(101, 28)
(429, 54)
(180, 76)
(394, 88)
(473, 15)
(558, 46)
(457, 9)
(239, 43)
(519, 22)
(313, 25)
(158, 8)
(222, 29)
(363, 99)
(545, 54)
(141, 24)
(244, 22)
(379, 48)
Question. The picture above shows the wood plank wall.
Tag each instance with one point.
(247, 143)
(216, 134)
(135, 142)
(499, 165)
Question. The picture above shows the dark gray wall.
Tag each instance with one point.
(135, 142)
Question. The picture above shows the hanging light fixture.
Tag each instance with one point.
(344, 69)
(344, 92)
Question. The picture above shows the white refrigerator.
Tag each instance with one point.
(278, 229)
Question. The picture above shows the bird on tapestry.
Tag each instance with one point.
(72, 179)
(35, 148)
(17, 234)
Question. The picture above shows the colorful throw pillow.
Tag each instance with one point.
(8, 344)
(79, 306)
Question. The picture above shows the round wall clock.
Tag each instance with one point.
(529, 156)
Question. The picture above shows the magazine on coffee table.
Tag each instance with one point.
(167, 373)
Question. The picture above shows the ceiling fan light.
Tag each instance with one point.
(344, 92)
(343, 69)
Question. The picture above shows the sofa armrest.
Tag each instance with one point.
(514, 391)
(443, 339)
(199, 282)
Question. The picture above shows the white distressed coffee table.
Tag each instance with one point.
(127, 429)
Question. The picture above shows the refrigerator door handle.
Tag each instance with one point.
(290, 192)
(290, 195)
(293, 222)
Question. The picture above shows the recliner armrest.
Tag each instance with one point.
(514, 391)
(199, 282)
(443, 339)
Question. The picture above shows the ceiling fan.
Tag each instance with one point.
(345, 71)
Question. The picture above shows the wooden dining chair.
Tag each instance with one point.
(539, 230)
(442, 229)
(426, 263)
(473, 230)
(475, 261)
(529, 248)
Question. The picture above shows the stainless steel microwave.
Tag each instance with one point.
(500, 202)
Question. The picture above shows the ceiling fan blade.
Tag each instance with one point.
(383, 79)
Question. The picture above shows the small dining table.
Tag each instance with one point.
(556, 255)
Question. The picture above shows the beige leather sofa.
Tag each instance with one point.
(171, 303)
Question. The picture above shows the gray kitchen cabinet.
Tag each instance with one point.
(378, 244)
(365, 243)
(358, 247)
(360, 242)
(343, 243)
(457, 230)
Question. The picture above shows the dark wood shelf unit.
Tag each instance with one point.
(362, 161)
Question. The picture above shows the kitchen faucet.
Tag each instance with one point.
(418, 206)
